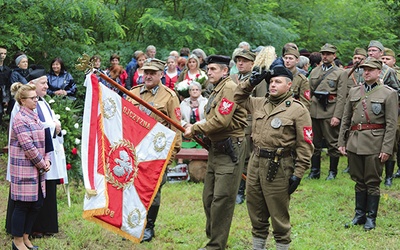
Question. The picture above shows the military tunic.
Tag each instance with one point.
(334, 82)
(301, 88)
(166, 101)
(286, 126)
(364, 145)
(224, 119)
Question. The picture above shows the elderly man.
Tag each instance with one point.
(328, 91)
(151, 52)
(224, 127)
(167, 102)
(367, 137)
(281, 124)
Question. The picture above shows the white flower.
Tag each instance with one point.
(51, 101)
(77, 141)
(67, 109)
(184, 85)
(63, 132)
(58, 116)
(76, 125)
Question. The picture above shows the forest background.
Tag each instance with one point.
(45, 29)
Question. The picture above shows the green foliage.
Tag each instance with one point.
(70, 113)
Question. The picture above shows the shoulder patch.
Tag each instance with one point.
(225, 106)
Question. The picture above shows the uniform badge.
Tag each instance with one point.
(288, 103)
(178, 113)
(276, 123)
(225, 107)
(308, 134)
(331, 83)
(376, 108)
(307, 94)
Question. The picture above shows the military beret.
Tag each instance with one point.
(245, 54)
(36, 73)
(219, 59)
(279, 71)
(377, 44)
(154, 64)
(360, 51)
(388, 52)
(328, 48)
(292, 51)
(372, 63)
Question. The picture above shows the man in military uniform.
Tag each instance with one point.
(367, 136)
(5, 73)
(166, 101)
(356, 78)
(328, 91)
(224, 127)
(244, 60)
(281, 124)
(300, 85)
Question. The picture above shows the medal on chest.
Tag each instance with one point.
(276, 123)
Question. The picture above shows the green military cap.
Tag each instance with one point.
(292, 51)
(360, 51)
(388, 52)
(154, 64)
(245, 54)
(372, 63)
(374, 43)
(328, 48)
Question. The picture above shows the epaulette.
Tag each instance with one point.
(390, 88)
(302, 76)
(137, 86)
(172, 92)
(299, 102)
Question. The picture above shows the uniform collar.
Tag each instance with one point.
(153, 91)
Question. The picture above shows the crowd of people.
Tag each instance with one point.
(264, 117)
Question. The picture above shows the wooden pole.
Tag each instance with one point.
(154, 110)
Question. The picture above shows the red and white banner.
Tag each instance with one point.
(124, 155)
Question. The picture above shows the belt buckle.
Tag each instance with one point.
(359, 126)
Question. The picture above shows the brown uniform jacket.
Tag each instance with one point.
(224, 118)
(381, 103)
(335, 84)
(301, 88)
(294, 132)
(165, 100)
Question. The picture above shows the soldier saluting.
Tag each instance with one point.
(281, 124)
(367, 136)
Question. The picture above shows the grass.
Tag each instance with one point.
(318, 211)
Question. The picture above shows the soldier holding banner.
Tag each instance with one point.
(166, 101)
(224, 127)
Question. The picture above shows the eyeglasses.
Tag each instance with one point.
(33, 98)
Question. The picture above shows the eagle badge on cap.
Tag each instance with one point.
(225, 106)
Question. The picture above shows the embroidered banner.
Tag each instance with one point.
(124, 155)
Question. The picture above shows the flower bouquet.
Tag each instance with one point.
(201, 78)
(183, 88)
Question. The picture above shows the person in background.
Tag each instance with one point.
(181, 63)
(5, 73)
(175, 54)
(115, 60)
(367, 136)
(28, 158)
(171, 73)
(184, 52)
(133, 62)
(115, 72)
(202, 58)
(60, 81)
(151, 52)
(20, 73)
(192, 70)
(135, 75)
(192, 108)
(303, 65)
(242, 45)
(315, 61)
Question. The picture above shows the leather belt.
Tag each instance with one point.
(270, 154)
(367, 126)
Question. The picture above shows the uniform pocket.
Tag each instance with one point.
(258, 122)
(377, 106)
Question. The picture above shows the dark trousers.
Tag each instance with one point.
(24, 215)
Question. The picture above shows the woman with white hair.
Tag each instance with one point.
(192, 108)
